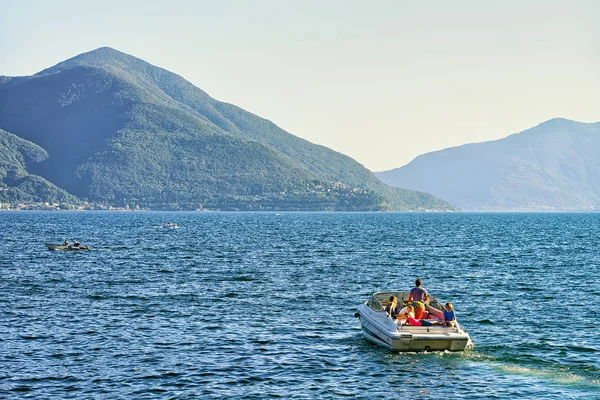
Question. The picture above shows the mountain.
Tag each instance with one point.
(119, 130)
(16, 184)
(551, 167)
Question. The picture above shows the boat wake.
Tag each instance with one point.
(585, 376)
(554, 376)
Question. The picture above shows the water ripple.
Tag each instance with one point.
(253, 305)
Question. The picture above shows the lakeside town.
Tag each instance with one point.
(63, 207)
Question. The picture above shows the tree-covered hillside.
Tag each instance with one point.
(119, 130)
(16, 184)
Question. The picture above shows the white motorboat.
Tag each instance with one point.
(380, 328)
(65, 247)
(170, 225)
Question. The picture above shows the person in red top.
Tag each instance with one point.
(422, 322)
(402, 319)
(410, 319)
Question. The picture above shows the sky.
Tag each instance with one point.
(382, 81)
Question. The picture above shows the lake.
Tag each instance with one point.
(256, 305)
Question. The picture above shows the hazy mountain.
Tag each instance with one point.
(553, 166)
(119, 130)
(16, 184)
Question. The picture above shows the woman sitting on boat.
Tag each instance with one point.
(410, 319)
(392, 308)
(403, 318)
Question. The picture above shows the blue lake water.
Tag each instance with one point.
(255, 305)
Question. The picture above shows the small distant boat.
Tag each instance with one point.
(66, 248)
(378, 327)
(170, 225)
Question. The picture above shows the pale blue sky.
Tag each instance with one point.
(380, 81)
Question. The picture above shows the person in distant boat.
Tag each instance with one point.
(65, 243)
(392, 308)
(449, 317)
(417, 293)
(77, 245)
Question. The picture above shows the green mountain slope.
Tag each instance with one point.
(120, 130)
(553, 166)
(16, 184)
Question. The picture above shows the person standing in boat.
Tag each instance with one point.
(65, 243)
(417, 293)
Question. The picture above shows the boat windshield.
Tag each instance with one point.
(380, 300)
(375, 304)
(434, 304)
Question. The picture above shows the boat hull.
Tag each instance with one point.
(62, 247)
(378, 328)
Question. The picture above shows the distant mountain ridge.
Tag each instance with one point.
(117, 129)
(554, 166)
